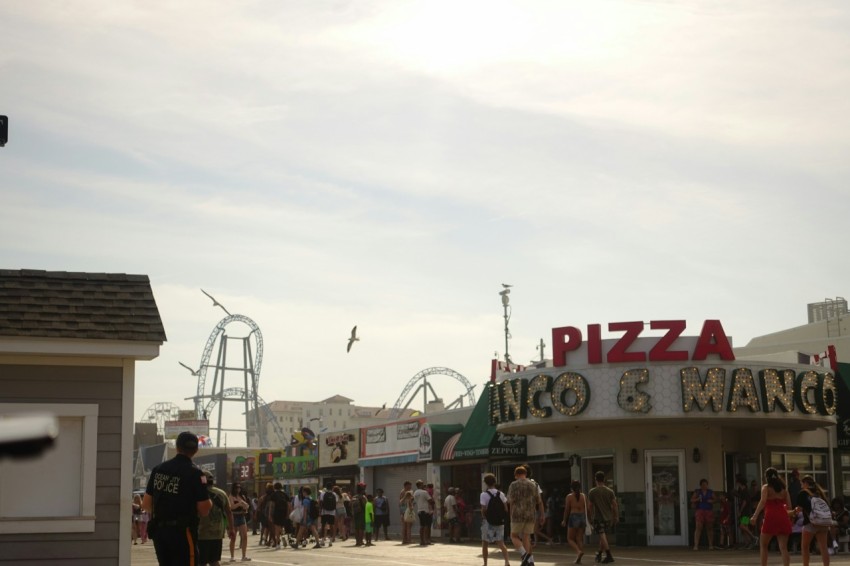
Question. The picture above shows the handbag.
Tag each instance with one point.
(296, 515)
(409, 516)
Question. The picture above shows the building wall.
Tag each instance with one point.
(808, 338)
(101, 385)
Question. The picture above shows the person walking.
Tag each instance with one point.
(775, 501)
(451, 515)
(176, 497)
(525, 508)
(809, 490)
(493, 513)
(575, 519)
(213, 526)
(703, 500)
(310, 517)
(604, 515)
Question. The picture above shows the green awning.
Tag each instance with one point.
(479, 438)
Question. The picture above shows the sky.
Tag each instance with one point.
(316, 165)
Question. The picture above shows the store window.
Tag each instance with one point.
(808, 463)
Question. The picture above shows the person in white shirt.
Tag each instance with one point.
(423, 502)
(494, 534)
(450, 505)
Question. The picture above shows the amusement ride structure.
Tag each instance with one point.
(159, 413)
(238, 355)
(419, 383)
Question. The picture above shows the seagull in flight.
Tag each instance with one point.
(352, 339)
(216, 303)
(192, 371)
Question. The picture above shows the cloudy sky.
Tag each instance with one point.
(316, 165)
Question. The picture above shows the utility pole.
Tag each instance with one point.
(542, 347)
(506, 290)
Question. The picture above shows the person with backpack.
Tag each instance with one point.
(493, 514)
(358, 513)
(328, 503)
(775, 502)
(817, 519)
(311, 513)
(212, 527)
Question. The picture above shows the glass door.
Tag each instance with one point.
(666, 498)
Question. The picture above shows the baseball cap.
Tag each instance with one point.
(187, 441)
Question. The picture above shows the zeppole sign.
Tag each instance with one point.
(663, 376)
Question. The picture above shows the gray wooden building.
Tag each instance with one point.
(69, 343)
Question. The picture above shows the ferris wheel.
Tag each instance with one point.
(159, 413)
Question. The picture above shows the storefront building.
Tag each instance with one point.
(338, 454)
(389, 456)
(657, 414)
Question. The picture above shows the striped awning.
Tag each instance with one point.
(448, 452)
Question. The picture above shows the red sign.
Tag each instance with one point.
(712, 341)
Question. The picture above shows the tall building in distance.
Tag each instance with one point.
(331, 414)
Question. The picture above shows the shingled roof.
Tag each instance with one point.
(63, 304)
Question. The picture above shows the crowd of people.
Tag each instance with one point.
(797, 517)
(187, 515)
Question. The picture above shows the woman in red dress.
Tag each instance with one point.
(776, 503)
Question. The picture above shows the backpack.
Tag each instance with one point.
(820, 515)
(314, 509)
(495, 513)
(329, 501)
(216, 514)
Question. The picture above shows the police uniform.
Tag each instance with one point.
(176, 487)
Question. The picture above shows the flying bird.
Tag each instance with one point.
(352, 339)
(216, 303)
(192, 371)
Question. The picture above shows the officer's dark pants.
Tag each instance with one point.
(176, 546)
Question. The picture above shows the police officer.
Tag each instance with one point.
(176, 496)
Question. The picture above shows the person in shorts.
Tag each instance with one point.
(423, 502)
(382, 514)
(492, 534)
(703, 500)
(525, 508)
(604, 515)
(328, 528)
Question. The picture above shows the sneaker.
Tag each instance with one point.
(599, 556)
(608, 559)
(317, 545)
(525, 558)
(245, 559)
